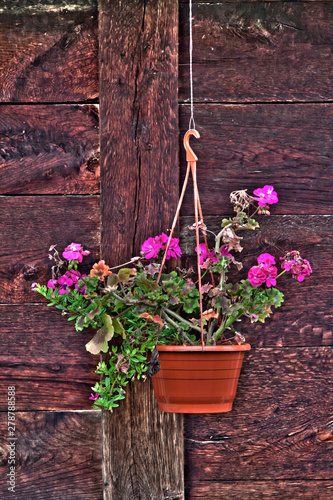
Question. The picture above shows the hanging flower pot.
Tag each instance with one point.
(192, 380)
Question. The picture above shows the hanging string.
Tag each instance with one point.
(192, 122)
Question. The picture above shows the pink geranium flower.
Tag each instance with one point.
(265, 272)
(267, 259)
(265, 195)
(257, 275)
(74, 251)
(299, 267)
(152, 246)
(211, 256)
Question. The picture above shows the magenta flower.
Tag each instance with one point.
(267, 259)
(74, 251)
(94, 397)
(299, 267)
(257, 275)
(174, 249)
(212, 257)
(202, 252)
(51, 284)
(33, 286)
(150, 248)
(265, 272)
(265, 195)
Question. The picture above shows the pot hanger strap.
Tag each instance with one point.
(191, 159)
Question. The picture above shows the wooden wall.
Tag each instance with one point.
(49, 186)
(263, 91)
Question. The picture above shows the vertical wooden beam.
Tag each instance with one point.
(143, 448)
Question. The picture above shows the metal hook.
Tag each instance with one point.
(190, 156)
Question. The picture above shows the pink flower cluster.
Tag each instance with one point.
(265, 272)
(265, 196)
(67, 280)
(152, 246)
(74, 251)
(299, 267)
(211, 256)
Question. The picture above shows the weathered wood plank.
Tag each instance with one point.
(45, 358)
(305, 318)
(257, 490)
(49, 149)
(280, 426)
(248, 146)
(29, 225)
(143, 448)
(258, 51)
(58, 455)
(48, 51)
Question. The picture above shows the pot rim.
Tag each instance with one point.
(207, 348)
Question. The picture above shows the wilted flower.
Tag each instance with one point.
(100, 270)
(299, 267)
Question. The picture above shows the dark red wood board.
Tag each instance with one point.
(280, 427)
(58, 455)
(259, 490)
(305, 317)
(142, 447)
(49, 149)
(45, 359)
(48, 52)
(29, 225)
(247, 146)
(258, 51)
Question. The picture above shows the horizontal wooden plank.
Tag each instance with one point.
(257, 490)
(29, 225)
(48, 53)
(51, 149)
(57, 455)
(45, 359)
(305, 317)
(258, 51)
(248, 146)
(280, 427)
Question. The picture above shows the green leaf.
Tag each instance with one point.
(94, 312)
(125, 274)
(80, 323)
(112, 280)
(118, 328)
(145, 283)
(100, 341)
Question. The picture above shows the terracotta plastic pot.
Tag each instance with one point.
(196, 381)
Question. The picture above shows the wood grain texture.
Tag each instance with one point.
(45, 358)
(29, 225)
(259, 490)
(58, 455)
(248, 146)
(143, 448)
(305, 317)
(258, 51)
(49, 149)
(280, 427)
(139, 122)
(48, 51)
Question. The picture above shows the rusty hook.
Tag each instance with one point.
(190, 156)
